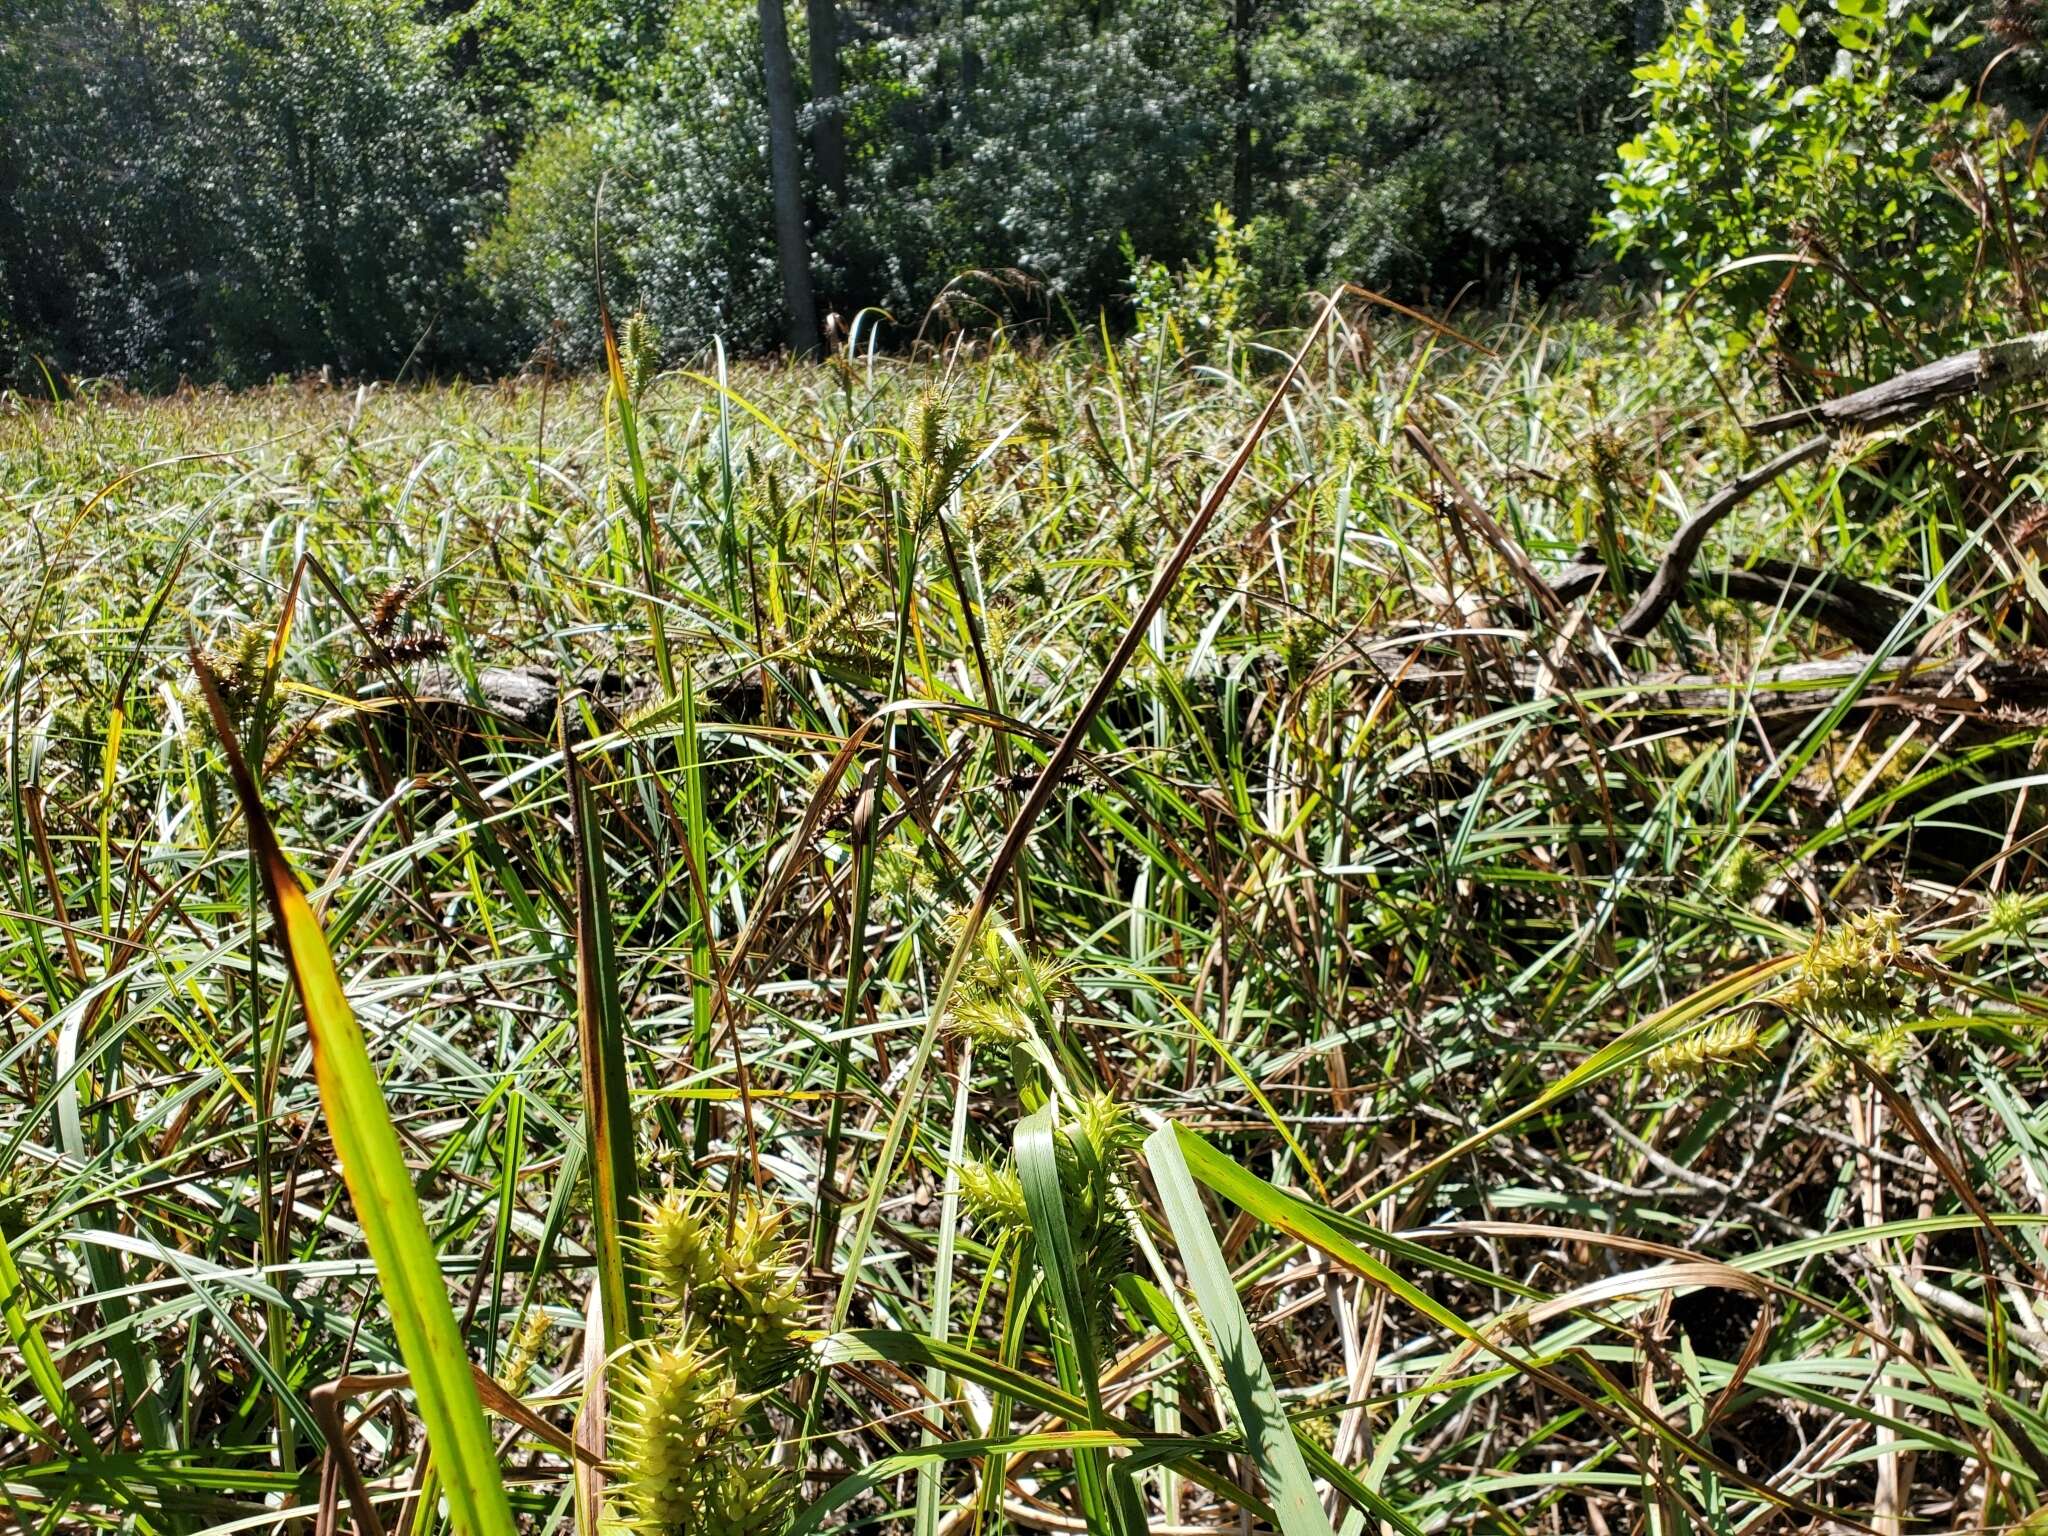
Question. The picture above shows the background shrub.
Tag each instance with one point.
(238, 188)
(1828, 188)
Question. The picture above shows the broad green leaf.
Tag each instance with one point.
(411, 1285)
(1268, 1435)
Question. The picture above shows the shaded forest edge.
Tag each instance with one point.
(378, 188)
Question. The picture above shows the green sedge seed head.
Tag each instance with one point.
(524, 1354)
(1850, 974)
(900, 874)
(688, 1455)
(1883, 1050)
(994, 1197)
(238, 662)
(1109, 1127)
(1001, 989)
(2012, 913)
(1725, 1045)
(639, 354)
(1743, 874)
(678, 1246)
(988, 1021)
(1301, 647)
(732, 1275)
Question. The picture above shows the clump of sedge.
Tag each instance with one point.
(691, 1462)
(732, 1282)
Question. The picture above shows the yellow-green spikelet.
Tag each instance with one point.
(1850, 973)
(735, 1281)
(689, 1463)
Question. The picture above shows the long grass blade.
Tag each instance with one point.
(601, 1050)
(379, 1182)
(1268, 1435)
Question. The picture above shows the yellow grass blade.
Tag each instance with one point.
(379, 1183)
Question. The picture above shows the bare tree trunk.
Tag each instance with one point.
(792, 248)
(1241, 22)
(1651, 19)
(828, 133)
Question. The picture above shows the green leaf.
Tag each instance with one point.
(373, 1167)
(1268, 1435)
(601, 1049)
(34, 1349)
(1074, 1340)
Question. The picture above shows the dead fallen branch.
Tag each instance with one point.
(1861, 614)
(1910, 395)
(1916, 392)
(1999, 689)
(1983, 685)
(1669, 578)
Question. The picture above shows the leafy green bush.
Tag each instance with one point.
(1813, 187)
(232, 188)
(1426, 144)
(685, 229)
(1211, 302)
(536, 261)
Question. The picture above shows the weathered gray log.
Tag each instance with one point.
(1919, 390)
(1794, 692)
(520, 699)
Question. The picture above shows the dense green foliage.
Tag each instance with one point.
(232, 187)
(1148, 919)
(244, 186)
(1832, 191)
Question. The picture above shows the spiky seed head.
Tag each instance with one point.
(639, 353)
(754, 1305)
(1883, 1049)
(388, 607)
(1301, 647)
(689, 1460)
(900, 875)
(677, 1246)
(2012, 913)
(1850, 973)
(1129, 536)
(988, 1021)
(1109, 1127)
(1732, 1044)
(1000, 988)
(1743, 874)
(994, 1197)
(525, 1351)
(238, 662)
(733, 1278)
